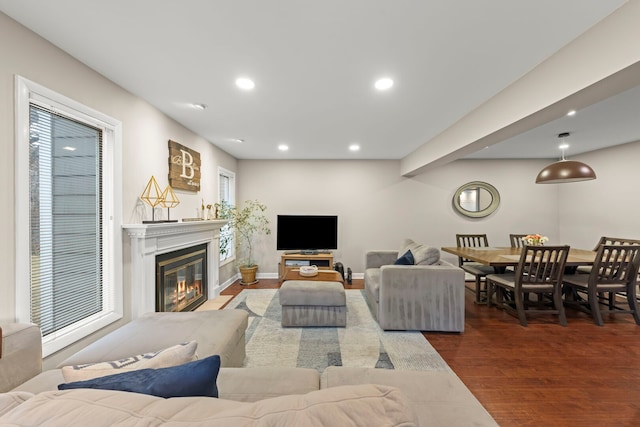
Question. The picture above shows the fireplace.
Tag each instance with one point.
(181, 279)
(149, 241)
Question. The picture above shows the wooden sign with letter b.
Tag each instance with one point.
(184, 167)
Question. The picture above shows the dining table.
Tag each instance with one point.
(502, 257)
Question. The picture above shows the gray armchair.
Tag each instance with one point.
(414, 297)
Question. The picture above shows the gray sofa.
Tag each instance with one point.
(428, 297)
(247, 396)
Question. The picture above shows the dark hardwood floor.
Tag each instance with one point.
(543, 374)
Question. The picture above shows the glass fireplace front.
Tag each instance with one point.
(181, 279)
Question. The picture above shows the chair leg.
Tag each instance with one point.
(479, 290)
(594, 303)
(520, 307)
(557, 299)
(633, 306)
(490, 288)
(499, 295)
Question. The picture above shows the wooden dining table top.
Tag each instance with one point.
(508, 256)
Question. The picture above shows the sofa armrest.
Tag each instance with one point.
(376, 259)
(421, 297)
(21, 354)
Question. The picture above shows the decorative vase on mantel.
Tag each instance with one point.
(248, 274)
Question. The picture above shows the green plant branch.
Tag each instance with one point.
(248, 222)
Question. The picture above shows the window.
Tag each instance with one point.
(67, 237)
(226, 193)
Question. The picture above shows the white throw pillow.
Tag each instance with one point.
(426, 255)
(422, 255)
(407, 245)
(172, 356)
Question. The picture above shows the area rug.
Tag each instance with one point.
(362, 343)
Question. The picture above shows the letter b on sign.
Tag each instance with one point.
(187, 165)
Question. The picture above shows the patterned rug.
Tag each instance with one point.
(362, 343)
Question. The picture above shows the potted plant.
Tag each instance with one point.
(249, 222)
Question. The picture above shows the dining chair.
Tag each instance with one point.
(479, 271)
(614, 272)
(516, 240)
(605, 240)
(539, 271)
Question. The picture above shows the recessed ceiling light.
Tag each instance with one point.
(571, 113)
(237, 140)
(245, 83)
(283, 147)
(69, 148)
(199, 106)
(354, 147)
(384, 83)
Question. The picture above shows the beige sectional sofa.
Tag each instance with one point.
(247, 396)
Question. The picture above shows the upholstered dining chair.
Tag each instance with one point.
(479, 271)
(615, 271)
(539, 271)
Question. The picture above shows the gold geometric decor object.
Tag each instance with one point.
(153, 197)
(170, 200)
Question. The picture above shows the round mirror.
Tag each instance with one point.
(476, 199)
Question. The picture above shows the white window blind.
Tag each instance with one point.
(68, 187)
(65, 170)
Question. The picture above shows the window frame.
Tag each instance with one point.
(232, 196)
(27, 93)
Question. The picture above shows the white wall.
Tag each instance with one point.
(607, 206)
(146, 132)
(377, 207)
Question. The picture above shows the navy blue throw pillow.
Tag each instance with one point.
(406, 259)
(197, 378)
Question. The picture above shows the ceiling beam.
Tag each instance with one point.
(602, 62)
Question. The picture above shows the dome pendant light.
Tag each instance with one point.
(565, 170)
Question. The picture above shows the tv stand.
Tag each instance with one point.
(290, 261)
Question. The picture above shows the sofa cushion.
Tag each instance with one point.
(426, 255)
(172, 356)
(197, 378)
(156, 331)
(313, 293)
(10, 400)
(355, 405)
(439, 398)
(407, 245)
(422, 255)
(253, 384)
(405, 259)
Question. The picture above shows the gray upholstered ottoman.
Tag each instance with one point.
(313, 303)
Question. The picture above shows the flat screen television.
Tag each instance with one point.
(307, 233)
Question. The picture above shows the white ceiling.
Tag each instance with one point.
(314, 64)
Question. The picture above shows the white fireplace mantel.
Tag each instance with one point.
(149, 240)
